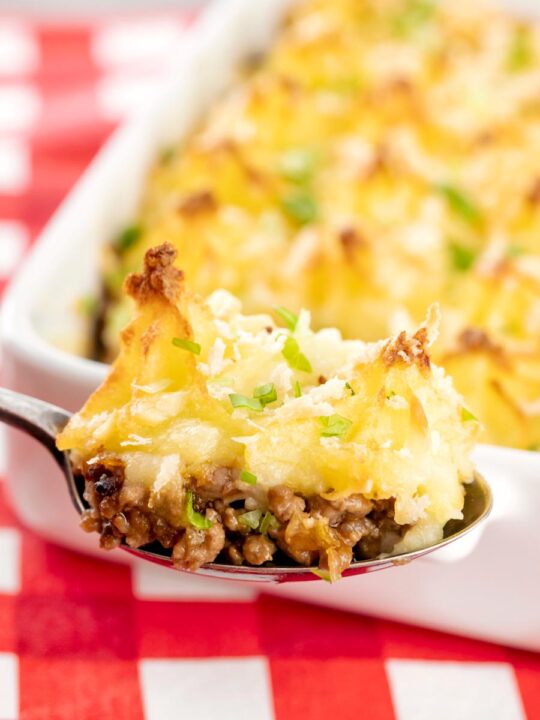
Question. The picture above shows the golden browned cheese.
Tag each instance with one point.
(381, 158)
(336, 417)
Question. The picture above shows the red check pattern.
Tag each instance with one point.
(77, 638)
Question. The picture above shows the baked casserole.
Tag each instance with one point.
(382, 157)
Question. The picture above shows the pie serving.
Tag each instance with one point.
(252, 439)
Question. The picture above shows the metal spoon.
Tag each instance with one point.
(43, 422)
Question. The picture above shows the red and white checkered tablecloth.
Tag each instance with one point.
(82, 639)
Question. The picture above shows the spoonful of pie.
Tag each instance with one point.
(251, 446)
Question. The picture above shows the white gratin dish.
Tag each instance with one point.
(487, 586)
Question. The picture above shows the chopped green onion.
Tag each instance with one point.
(297, 165)
(520, 52)
(300, 208)
(294, 357)
(459, 203)
(535, 447)
(346, 85)
(167, 155)
(114, 281)
(515, 251)
(243, 401)
(88, 304)
(288, 317)
(461, 256)
(266, 394)
(188, 345)
(467, 416)
(297, 390)
(335, 425)
(128, 238)
(322, 574)
(252, 519)
(414, 16)
(349, 388)
(248, 477)
(391, 394)
(195, 518)
(268, 521)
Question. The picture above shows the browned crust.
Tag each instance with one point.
(351, 241)
(476, 340)
(408, 350)
(149, 336)
(159, 278)
(200, 203)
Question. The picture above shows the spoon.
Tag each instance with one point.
(44, 421)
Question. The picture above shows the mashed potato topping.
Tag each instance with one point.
(382, 157)
(207, 406)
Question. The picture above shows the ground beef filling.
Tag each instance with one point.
(247, 527)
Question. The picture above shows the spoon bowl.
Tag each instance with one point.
(44, 421)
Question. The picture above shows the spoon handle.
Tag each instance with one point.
(37, 418)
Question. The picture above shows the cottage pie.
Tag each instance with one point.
(255, 439)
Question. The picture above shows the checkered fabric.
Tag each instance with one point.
(82, 639)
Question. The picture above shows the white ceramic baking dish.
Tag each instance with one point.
(487, 586)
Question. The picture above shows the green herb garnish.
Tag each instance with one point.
(252, 519)
(414, 16)
(297, 390)
(349, 388)
(297, 165)
(335, 425)
(300, 208)
(167, 155)
(515, 251)
(467, 416)
(88, 305)
(288, 317)
(462, 257)
(243, 401)
(294, 356)
(194, 517)
(247, 477)
(127, 238)
(114, 280)
(520, 52)
(459, 203)
(266, 394)
(346, 85)
(535, 447)
(322, 574)
(268, 521)
(188, 345)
